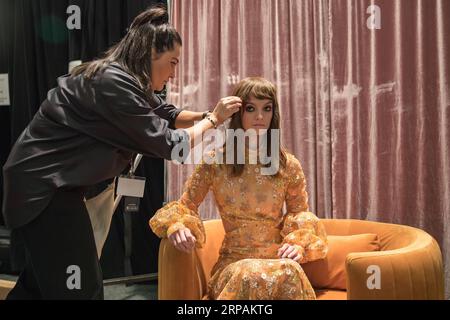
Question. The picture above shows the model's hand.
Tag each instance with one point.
(183, 240)
(290, 252)
(226, 107)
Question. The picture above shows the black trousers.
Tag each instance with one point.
(61, 257)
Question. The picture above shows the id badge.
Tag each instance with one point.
(131, 186)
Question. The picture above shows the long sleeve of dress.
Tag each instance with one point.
(302, 228)
(183, 213)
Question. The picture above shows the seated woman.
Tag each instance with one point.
(263, 248)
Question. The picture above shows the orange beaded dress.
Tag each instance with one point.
(251, 208)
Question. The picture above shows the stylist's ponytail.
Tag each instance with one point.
(156, 15)
(149, 33)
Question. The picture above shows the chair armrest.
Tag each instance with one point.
(178, 274)
(412, 272)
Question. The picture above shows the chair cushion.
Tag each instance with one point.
(331, 294)
(330, 273)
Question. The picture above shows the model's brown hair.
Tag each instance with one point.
(258, 88)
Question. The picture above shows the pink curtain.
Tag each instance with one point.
(364, 91)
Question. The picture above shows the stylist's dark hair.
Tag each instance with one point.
(149, 30)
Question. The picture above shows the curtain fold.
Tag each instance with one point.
(365, 110)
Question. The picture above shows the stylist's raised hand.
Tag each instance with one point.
(183, 240)
(226, 107)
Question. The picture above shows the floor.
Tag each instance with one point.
(131, 292)
(143, 291)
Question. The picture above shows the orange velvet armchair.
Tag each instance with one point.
(408, 259)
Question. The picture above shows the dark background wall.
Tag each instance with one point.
(35, 48)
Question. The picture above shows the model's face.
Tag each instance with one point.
(163, 67)
(257, 114)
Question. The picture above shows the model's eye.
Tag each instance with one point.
(249, 108)
(268, 108)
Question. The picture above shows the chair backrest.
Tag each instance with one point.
(390, 236)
